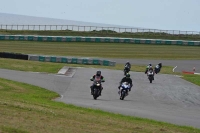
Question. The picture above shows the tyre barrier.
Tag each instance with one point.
(13, 55)
(71, 60)
(57, 59)
(97, 39)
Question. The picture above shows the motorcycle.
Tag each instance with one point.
(123, 92)
(158, 68)
(126, 69)
(97, 87)
(150, 75)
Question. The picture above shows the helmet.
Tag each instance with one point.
(127, 75)
(150, 64)
(160, 64)
(98, 73)
(127, 62)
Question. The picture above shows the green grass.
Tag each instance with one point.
(192, 78)
(29, 109)
(104, 33)
(111, 50)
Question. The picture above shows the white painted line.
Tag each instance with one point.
(62, 71)
(178, 76)
(197, 73)
(174, 68)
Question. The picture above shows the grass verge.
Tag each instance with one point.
(29, 109)
(105, 50)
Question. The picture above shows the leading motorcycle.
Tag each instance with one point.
(97, 87)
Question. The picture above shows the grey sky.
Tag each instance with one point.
(157, 14)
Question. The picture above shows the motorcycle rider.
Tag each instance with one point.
(126, 79)
(98, 74)
(127, 66)
(147, 68)
(158, 68)
(150, 68)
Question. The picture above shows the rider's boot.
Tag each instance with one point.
(91, 90)
(100, 91)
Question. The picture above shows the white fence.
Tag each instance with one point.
(97, 29)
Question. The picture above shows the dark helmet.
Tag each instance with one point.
(127, 62)
(98, 73)
(127, 75)
(160, 64)
(150, 64)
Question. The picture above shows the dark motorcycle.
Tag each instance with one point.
(150, 75)
(126, 69)
(96, 87)
(157, 68)
(123, 92)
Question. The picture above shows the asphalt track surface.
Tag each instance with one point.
(169, 98)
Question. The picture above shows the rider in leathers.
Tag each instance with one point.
(98, 73)
(126, 79)
(128, 64)
(147, 68)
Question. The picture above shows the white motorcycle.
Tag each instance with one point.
(123, 91)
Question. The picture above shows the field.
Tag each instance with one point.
(25, 108)
(106, 50)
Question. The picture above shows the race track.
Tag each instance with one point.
(182, 65)
(169, 98)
